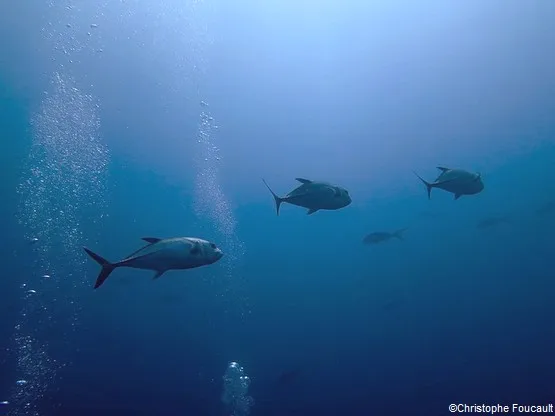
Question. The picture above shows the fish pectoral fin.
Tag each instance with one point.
(302, 180)
(195, 249)
(443, 169)
(312, 211)
(151, 240)
(158, 274)
(457, 196)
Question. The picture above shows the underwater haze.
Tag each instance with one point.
(130, 119)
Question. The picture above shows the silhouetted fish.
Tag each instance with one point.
(457, 181)
(491, 222)
(382, 236)
(314, 196)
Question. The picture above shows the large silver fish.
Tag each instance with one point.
(162, 255)
(457, 181)
(314, 196)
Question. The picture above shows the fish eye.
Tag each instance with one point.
(213, 245)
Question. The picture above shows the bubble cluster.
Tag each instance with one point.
(66, 172)
(211, 203)
(211, 200)
(235, 390)
(64, 185)
(38, 371)
(69, 35)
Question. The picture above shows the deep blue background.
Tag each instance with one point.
(354, 93)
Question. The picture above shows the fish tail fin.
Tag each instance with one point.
(429, 186)
(107, 267)
(399, 233)
(276, 198)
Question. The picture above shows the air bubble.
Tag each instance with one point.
(66, 155)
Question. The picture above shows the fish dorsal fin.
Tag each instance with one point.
(302, 180)
(443, 169)
(151, 240)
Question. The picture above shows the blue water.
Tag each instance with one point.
(122, 120)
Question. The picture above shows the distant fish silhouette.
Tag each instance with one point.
(383, 236)
(492, 222)
(314, 196)
(459, 182)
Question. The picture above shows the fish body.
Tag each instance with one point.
(456, 181)
(314, 196)
(161, 255)
(383, 236)
(491, 222)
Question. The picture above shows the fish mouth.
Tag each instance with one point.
(219, 253)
